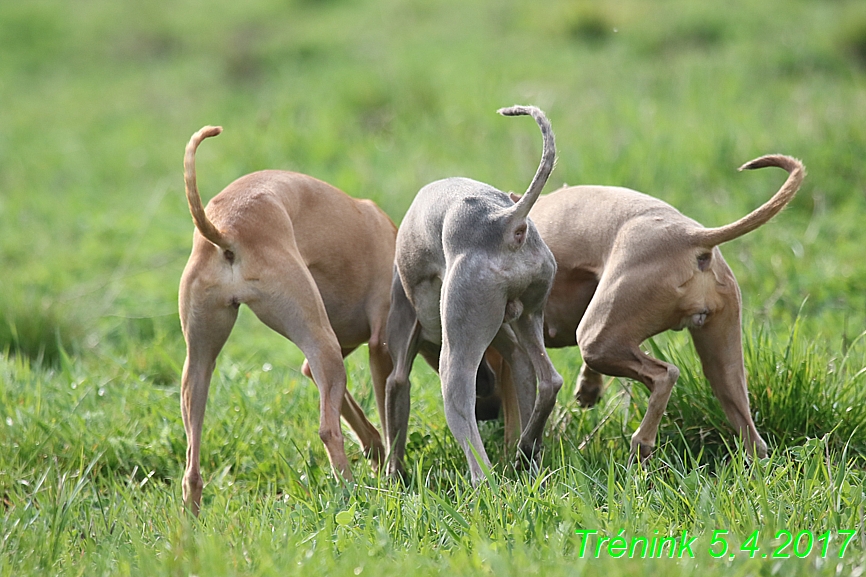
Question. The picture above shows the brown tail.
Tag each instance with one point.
(710, 237)
(548, 158)
(202, 223)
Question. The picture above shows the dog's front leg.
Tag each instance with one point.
(589, 386)
(506, 393)
(515, 379)
(529, 330)
(403, 339)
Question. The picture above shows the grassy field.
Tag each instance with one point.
(97, 100)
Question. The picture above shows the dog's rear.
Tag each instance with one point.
(469, 260)
(631, 266)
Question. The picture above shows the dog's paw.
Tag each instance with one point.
(375, 453)
(397, 473)
(528, 457)
(587, 396)
(589, 387)
(640, 452)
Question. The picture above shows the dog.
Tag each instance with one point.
(471, 272)
(314, 265)
(630, 266)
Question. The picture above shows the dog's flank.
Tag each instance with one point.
(193, 198)
(710, 237)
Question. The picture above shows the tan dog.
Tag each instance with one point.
(314, 265)
(630, 266)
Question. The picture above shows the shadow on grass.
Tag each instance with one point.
(42, 331)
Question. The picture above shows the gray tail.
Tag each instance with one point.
(710, 237)
(193, 198)
(548, 158)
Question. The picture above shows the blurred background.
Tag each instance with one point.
(98, 99)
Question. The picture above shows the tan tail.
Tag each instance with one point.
(548, 158)
(202, 223)
(710, 237)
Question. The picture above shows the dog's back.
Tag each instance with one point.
(582, 224)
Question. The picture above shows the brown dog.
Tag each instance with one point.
(630, 266)
(314, 265)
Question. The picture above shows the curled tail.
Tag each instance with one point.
(711, 237)
(202, 223)
(548, 158)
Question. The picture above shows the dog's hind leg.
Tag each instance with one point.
(719, 346)
(459, 365)
(205, 335)
(297, 312)
(609, 338)
(614, 357)
(351, 411)
(470, 321)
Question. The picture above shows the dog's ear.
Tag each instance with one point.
(514, 197)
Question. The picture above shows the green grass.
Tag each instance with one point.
(97, 101)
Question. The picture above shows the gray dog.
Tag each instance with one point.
(471, 271)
